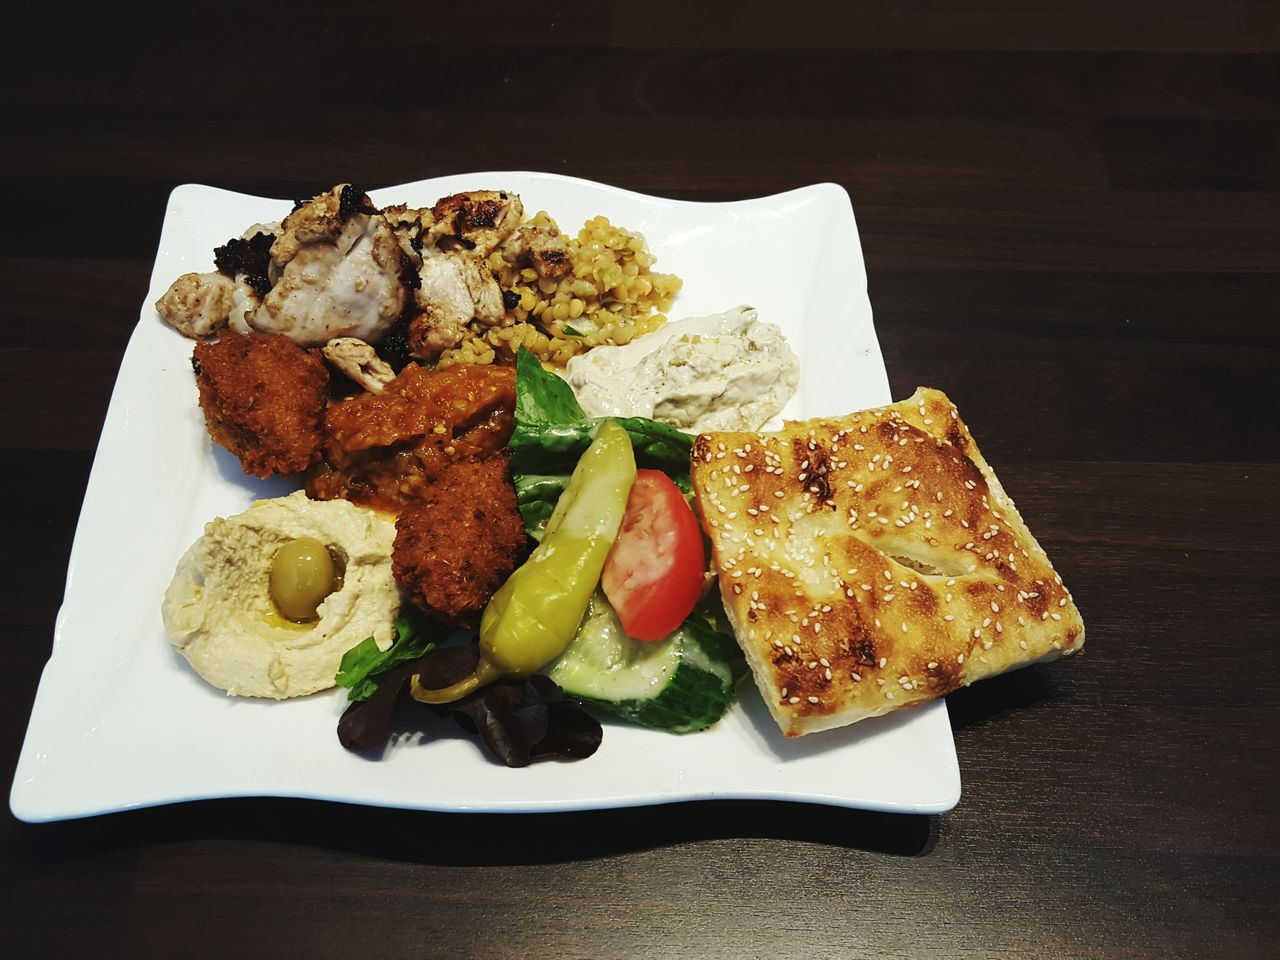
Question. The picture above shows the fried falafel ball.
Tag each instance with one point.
(457, 545)
(263, 398)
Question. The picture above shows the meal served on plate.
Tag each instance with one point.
(505, 414)
(381, 378)
(873, 561)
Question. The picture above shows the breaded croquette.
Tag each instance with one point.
(263, 398)
(457, 544)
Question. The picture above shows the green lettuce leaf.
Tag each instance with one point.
(364, 665)
(541, 397)
(551, 432)
(536, 496)
(659, 446)
(710, 629)
(549, 448)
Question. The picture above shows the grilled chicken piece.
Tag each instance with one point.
(198, 304)
(457, 285)
(445, 304)
(483, 287)
(332, 268)
(360, 362)
(335, 268)
(201, 304)
(335, 272)
(245, 303)
(478, 221)
(455, 289)
(537, 244)
(412, 227)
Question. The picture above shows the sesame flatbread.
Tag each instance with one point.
(873, 562)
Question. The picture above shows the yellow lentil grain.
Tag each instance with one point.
(611, 294)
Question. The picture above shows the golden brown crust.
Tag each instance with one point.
(383, 450)
(873, 562)
(461, 541)
(263, 398)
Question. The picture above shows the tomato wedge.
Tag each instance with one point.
(653, 575)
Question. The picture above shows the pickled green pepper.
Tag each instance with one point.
(534, 615)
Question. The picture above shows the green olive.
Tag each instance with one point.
(302, 575)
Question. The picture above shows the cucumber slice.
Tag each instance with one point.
(681, 684)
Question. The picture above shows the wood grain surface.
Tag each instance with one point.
(1070, 214)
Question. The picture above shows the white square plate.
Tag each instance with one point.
(120, 720)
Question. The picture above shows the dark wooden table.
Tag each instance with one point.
(1071, 219)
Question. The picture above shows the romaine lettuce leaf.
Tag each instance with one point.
(364, 665)
(545, 399)
(551, 432)
(536, 496)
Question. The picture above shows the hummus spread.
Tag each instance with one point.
(219, 614)
(727, 371)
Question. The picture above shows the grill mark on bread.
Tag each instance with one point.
(702, 447)
(956, 435)
(942, 677)
(862, 647)
(814, 468)
(924, 600)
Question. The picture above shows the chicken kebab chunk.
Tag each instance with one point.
(200, 304)
(332, 268)
(359, 362)
(453, 241)
(336, 271)
(337, 268)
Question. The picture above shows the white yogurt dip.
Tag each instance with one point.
(728, 371)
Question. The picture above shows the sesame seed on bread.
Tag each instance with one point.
(873, 562)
